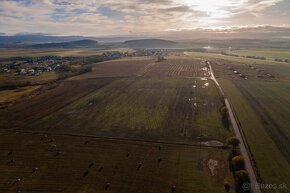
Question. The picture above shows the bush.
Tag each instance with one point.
(85, 69)
(233, 141)
(238, 163)
(242, 180)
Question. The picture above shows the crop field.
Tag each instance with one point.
(262, 107)
(124, 67)
(74, 135)
(7, 53)
(175, 67)
(11, 96)
(181, 109)
(82, 165)
(10, 80)
(268, 53)
(52, 98)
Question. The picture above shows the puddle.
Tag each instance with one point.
(213, 143)
(204, 78)
(206, 84)
(212, 164)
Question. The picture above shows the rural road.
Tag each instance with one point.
(248, 163)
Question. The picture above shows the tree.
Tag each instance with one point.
(160, 58)
(224, 113)
(238, 163)
(242, 180)
(233, 141)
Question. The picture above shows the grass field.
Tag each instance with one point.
(236, 59)
(83, 165)
(11, 96)
(144, 108)
(270, 161)
(262, 107)
(268, 53)
(12, 80)
(7, 53)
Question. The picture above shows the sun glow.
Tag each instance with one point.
(216, 9)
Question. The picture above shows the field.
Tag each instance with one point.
(262, 107)
(7, 53)
(124, 67)
(8, 97)
(83, 165)
(268, 53)
(11, 80)
(159, 112)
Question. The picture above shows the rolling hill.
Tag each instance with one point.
(150, 43)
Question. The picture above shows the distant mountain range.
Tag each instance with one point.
(45, 41)
(71, 44)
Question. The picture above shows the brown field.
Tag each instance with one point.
(175, 67)
(8, 97)
(12, 80)
(182, 66)
(75, 165)
(126, 105)
(52, 98)
(124, 67)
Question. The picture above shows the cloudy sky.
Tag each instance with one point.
(128, 17)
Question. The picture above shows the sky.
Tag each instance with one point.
(139, 17)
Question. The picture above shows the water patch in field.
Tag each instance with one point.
(204, 78)
(206, 84)
(212, 165)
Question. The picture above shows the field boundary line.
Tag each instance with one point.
(112, 138)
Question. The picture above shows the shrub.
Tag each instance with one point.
(85, 69)
(238, 163)
(242, 182)
(233, 141)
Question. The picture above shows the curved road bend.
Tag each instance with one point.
(243, 149)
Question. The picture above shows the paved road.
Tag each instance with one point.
(243, 149)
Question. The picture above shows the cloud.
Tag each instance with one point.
(115, 17)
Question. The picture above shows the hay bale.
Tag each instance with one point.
(107, 186)
(91, 164)
(173, 188)
(100, 169)
(34, 170)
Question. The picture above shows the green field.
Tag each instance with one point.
(268, 143)
(149, 108)
(236, 59)
(7, 53)
(268, 53)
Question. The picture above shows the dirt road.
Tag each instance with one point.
(243, 149)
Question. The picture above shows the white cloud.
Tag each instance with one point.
(95, 17)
